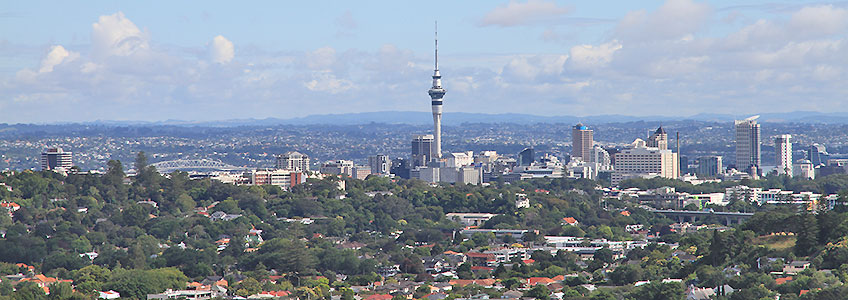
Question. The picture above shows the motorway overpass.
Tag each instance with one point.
(693, 215)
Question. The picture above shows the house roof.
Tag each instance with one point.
(783, 280)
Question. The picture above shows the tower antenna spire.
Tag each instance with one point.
(437, 45)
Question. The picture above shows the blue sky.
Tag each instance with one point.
(209, 60)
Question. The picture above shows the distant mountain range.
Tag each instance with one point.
(420, 118)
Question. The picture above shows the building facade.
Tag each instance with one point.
(294, 161)
(56, 159)
(643, 161)
(710, 166)
(380, 164)
(783, 152)
(659, 139)
(748, 144)
(582, 141)
(422, 150)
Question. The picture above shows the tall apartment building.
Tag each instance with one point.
(582, 141)
(294, 161)
(659, 139)
(422, 150)
(643, 161)
(783, 152)
(748, 145)
(56, 158)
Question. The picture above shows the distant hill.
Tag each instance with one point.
(419, 118)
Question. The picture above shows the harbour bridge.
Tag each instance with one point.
(169, 166)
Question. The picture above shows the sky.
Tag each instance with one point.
(70, 61)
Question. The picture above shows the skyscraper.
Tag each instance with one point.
(748, 144)
(659, 139)
(56, 158)
(581, 142)
(783, 152)
(526, 157)
(422, 150)
(380, 164)
(436, 94)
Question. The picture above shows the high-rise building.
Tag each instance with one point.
(659, 139)
(709, 166)
(783, 151)
(817, 155)
(294, 161)
(582, 142)
(422, 150)
(56, 159)
(380, 164)
(643, 161)
(526, 157)
(436, 94)
(748, 145)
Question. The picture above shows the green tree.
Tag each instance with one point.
(807, 235)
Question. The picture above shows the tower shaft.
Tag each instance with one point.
(436, 94)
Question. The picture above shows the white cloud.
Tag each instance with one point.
(673, 20)
(819, 20)
(221, 50)
(56, 56)
(327, 82)
(116, 35)
(517, 13)
(587, 57)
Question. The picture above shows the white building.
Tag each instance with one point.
(641, 161)
(56, 159)
(470, 219)
(294, 161)
(459, 159)
(783, 152)
(521, 201)
(805, 169)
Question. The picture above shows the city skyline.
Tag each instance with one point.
(105, 61)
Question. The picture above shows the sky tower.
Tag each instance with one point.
(436, 94)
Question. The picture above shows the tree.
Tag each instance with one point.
(539, 291)
(138, 283)
(807, 235)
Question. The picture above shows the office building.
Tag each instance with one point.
(380, 164)
(294, 161)
(422, 150)
(526, 157)
(436, 94)
(748, 145)
(582, 142)
(643, 161)
(360, 172)
(710, 166)
(783, 153)
(284, 178)
(817, 155)
(658, 140)
(56, 159)
(805, 169)
(337, 167)
(459, 159)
